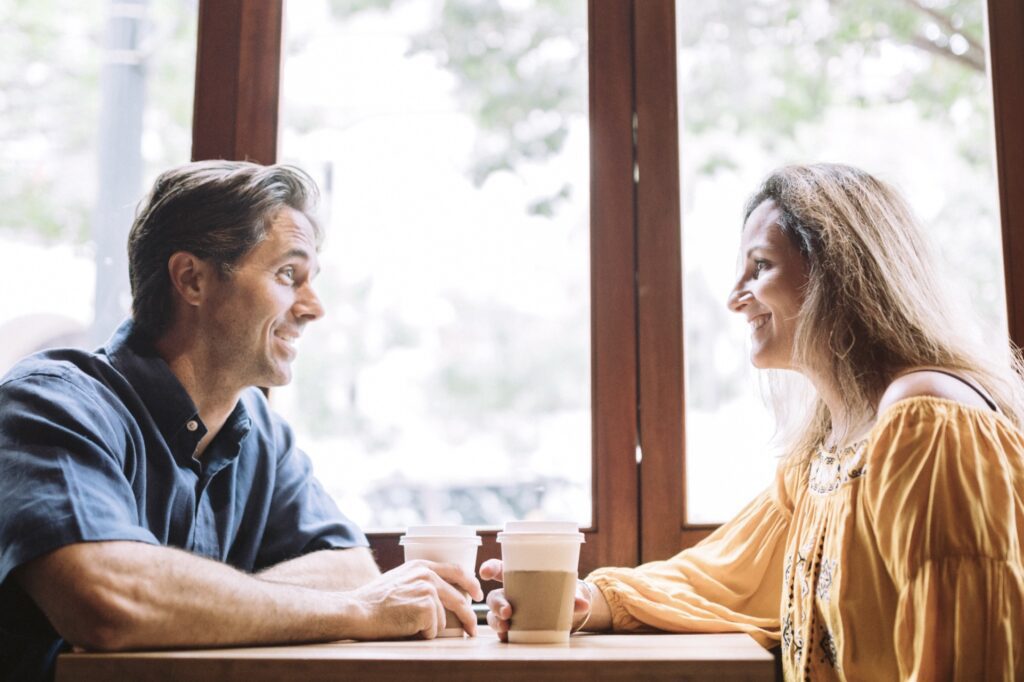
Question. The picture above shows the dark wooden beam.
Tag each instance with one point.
(238, 78)
(612, 287)
(1006, 50)
(659, 277)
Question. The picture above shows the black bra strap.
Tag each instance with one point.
(984, 396)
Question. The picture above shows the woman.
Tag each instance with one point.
(889, 545)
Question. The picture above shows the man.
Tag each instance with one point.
(148, 496)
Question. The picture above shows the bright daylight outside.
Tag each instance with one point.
(449, 381)
(450, 378)
(897, 87)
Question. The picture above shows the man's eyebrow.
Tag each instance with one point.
(295, 253)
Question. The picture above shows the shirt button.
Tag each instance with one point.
(192, 425)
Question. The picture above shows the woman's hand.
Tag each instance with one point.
(500, 614)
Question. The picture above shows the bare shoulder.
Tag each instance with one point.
(933, 384)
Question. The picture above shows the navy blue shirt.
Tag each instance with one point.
(99, 446)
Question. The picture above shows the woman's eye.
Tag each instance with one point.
(759, 265)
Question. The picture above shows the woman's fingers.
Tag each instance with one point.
(498, 604)
(492, 569)
(499, 625)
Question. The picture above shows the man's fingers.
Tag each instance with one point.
(433, 612)
(467, 617)
(492, 569)
(455, 601)
(454, 574)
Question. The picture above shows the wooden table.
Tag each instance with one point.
(586, 657)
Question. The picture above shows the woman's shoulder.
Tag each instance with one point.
(930, 413)
(928, 382)
(924, 406)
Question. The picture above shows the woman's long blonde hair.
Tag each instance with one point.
(872, 305)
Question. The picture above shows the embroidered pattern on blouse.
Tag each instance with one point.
(832, 470)
(824, 589)
(828, 649)
(808, 567)
(802, 569)
(791, 639)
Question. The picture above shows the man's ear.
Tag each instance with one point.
(190, 276)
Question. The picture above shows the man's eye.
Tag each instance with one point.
(287, 273)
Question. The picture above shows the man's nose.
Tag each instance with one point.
(308, 305)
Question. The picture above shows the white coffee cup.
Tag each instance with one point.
(541, 563)
(448, 545)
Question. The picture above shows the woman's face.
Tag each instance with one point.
(770, 288)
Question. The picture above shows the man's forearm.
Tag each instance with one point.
(125, 595)
(330, 569)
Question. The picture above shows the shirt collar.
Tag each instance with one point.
(132, 352)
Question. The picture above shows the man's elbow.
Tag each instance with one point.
(104, 621)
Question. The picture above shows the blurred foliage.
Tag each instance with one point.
(520, 73)
(51, 59)
(511, 64)
(48, 83)
(520, 70)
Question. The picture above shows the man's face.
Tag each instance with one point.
(256, 315)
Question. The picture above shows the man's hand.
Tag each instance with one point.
(500, 614)
(410, 600)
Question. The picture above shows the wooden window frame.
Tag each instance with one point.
(1006, 69)
(238, 75)
(636, 269)
(660, 330)
(238, 80)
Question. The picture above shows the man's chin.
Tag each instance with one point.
(280, 375)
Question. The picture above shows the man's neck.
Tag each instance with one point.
(193, 368)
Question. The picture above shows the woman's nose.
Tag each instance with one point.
(738, 299)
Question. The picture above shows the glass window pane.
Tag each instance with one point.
(96, 99)
(450, 378)
(897, 88)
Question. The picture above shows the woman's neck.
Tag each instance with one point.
(849, 424)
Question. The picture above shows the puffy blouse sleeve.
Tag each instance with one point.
(730, 582)
(946, 501)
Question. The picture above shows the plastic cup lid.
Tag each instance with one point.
(440, 534)
(541, 530)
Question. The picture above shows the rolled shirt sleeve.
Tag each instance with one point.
(62, 477)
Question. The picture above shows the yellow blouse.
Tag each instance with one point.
(899, 558)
